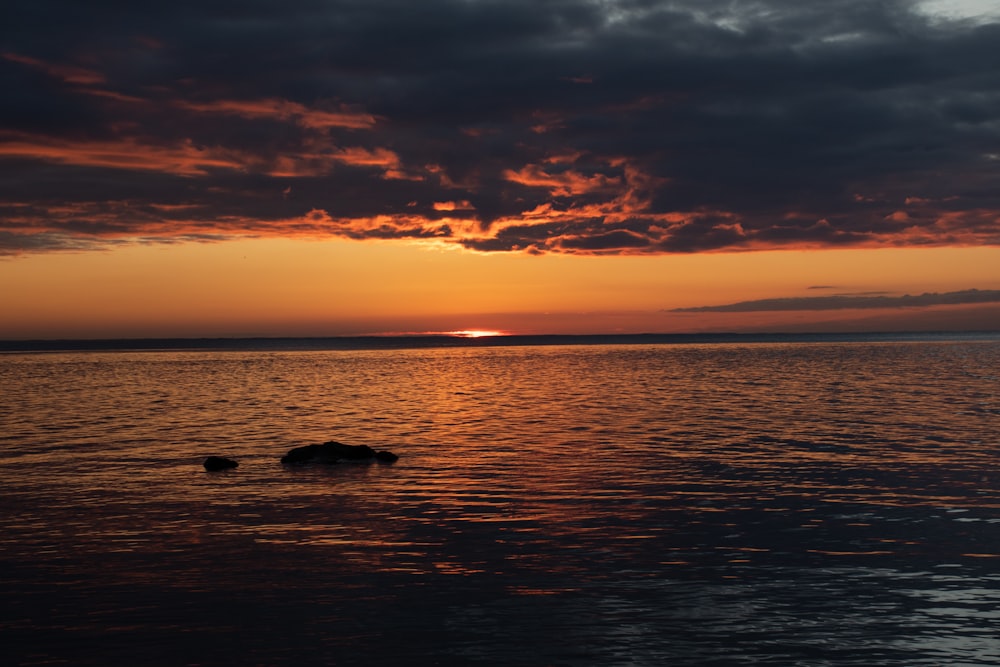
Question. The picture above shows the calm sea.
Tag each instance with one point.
(734, 503)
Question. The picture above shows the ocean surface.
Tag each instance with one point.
(741, 502)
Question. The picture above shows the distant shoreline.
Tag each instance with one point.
(333, 343)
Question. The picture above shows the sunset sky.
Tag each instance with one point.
(339, 167)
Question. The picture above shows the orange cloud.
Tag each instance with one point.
(363, 157)
(561, 184)
(629, 196)
(182, 159)
(452, 206)
(314, 119)
(186, 158)
(385, 159)
(71, 74)
(319, 222)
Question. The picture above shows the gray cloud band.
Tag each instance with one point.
(847, 301)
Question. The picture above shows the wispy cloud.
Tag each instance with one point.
(559, 126)
(283, 110)
(183, 159)
(848, 301)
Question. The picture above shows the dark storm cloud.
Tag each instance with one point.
(850, 301)
(629, 126)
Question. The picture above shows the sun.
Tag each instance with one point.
(475, 333)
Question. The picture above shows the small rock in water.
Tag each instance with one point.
(214, 463)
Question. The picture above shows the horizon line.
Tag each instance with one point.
(455, 339)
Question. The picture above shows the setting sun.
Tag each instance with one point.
(475, 333)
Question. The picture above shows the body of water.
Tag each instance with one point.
(734, 503)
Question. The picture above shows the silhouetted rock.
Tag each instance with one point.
(328, 452)
(307, 454)
(351, 452)
(386, 457)
(214, 463)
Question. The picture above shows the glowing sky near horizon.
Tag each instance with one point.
(530, 167)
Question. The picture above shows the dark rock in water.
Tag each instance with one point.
(386, 457)
(328, 452)
(307, 454)
(213, 463)
(350, 452)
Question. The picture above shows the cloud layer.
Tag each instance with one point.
(567, 126)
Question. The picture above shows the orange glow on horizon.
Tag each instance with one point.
(287, 287)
